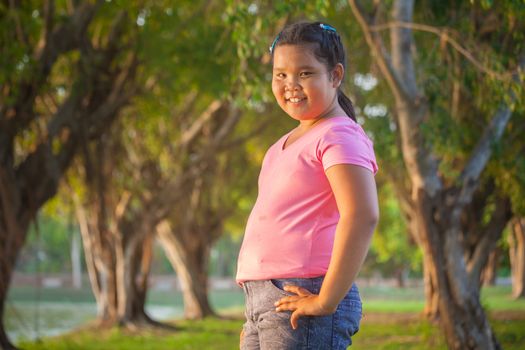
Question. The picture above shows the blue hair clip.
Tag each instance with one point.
(327, 27)
(274, 42)
(323, 26)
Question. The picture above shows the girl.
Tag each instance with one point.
(310, 229)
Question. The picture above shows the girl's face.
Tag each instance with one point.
(302, 85)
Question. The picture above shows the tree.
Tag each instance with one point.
(209, 148)
(117, 236)
(169, 164)
(440, 201)
(40, 125)
(516, 240)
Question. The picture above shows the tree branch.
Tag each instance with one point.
(469, 178)
(227, 126)
(20, 33)
(402, 43)
(411, 105)
(49, 14)
(444, 37)
(64, 38)
(490, 236)
(242, 139)
(189, 134)
(375, 43)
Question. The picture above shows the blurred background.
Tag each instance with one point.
(131, 137)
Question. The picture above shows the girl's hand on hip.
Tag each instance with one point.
(302, 304)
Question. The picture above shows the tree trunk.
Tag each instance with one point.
(431, 309)
(488, 276)
(461, 314)
(137, 262)
(190, 261)
(76, 265)
(119, 271)
(517, 257)
(116, 243)
(15, 216)
(396, 175)
(5, 343)
(7, 265)
(101, 265)
(400, 275)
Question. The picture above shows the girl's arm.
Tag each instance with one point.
(356, 196)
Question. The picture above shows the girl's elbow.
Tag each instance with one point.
(373, 215)
(374, 218)
(372, 222)
(368, 218)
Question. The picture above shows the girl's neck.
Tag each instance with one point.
(336, 111)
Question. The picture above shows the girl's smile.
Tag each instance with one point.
(302, 86)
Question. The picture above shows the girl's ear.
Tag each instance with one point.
(337, 75)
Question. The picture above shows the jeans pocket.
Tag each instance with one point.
(278, 285)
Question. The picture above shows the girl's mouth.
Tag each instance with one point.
(295, 99)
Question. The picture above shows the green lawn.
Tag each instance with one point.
(378, 332)
(391, 321)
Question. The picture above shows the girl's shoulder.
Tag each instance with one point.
(343, 127)
(345, 142)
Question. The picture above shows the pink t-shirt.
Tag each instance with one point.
(290, 231)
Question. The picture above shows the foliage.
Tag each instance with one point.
(223, 259)
(48, 247)
(391, 243)
(463, 97)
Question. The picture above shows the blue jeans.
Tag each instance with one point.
(267, 329)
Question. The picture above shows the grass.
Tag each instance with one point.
(391, 321)
(207, 334)
(378, 332)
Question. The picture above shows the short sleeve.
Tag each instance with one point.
(347, 144)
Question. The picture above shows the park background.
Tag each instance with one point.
(132, 132)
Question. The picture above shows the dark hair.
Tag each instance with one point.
(328, 49)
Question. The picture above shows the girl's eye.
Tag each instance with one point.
(305, 74)
(280, 75)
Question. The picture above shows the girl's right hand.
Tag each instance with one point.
(304, 303)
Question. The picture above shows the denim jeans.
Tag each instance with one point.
(267, 329)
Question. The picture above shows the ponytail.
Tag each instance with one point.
(346, 104)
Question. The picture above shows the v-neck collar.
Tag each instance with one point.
(309, 132)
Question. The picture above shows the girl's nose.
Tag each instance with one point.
(292, 85)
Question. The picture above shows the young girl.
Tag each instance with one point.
(310, 229)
